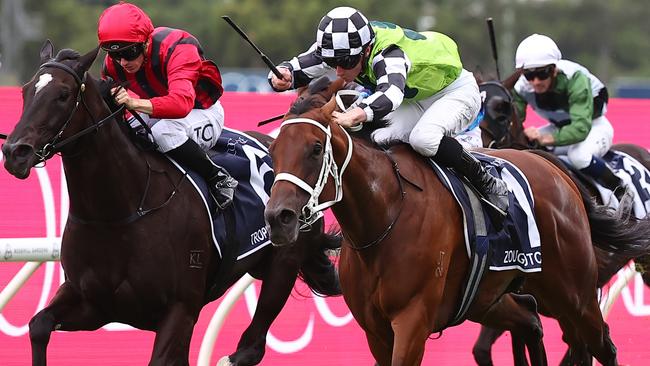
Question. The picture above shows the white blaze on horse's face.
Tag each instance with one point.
(43, 80)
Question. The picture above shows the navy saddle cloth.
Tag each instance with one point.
(517, 246)
(248, 161)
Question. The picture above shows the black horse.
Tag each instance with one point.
(501, 129)
(137, 246)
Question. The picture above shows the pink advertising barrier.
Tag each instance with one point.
(308, 331)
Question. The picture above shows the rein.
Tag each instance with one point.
(383, 235)
(140, 211)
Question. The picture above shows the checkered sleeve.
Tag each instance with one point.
(304, 67)
(390, 67)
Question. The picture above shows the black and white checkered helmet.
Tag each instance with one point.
(344, 31)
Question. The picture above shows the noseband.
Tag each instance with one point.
(313, 210)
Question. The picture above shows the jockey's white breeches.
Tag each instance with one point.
(201, 125)
(597, 143)
(423, 123)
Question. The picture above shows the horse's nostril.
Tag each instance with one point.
(287, 217)
(22, 151)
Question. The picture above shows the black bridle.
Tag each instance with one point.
(54, 146)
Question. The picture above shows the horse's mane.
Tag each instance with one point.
(105, 86)
(317, 95)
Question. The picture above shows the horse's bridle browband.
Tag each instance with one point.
(312, 210)
(55, 146)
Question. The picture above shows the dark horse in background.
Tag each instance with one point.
(403, 259)
(136, 225)
(503, 129)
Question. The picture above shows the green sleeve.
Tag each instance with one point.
(581, 108)
(520, 106)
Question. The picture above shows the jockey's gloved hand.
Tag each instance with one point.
(105, 86)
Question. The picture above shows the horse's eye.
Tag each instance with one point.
(64, 95)
(318, 149)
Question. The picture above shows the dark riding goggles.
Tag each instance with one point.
(345, 62)
(128, 53)
(542, 73)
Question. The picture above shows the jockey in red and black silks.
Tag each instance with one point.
(171, 85)
(190, 81)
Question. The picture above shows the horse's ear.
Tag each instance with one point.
(329, 107)
(335, 86)
(87, 60)
(47, 51)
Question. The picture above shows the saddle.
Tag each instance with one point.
(633, 175)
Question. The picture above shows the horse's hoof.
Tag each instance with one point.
(224, 361)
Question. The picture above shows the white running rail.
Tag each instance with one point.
(35, 251)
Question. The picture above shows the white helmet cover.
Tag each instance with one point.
(535, 51)
(344, 31)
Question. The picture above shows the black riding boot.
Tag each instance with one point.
(452, 154)
(494, 189)
(603, 175)
(222, 185)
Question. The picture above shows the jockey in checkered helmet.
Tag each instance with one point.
(343, 33)
(415, 80)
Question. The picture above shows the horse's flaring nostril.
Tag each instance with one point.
(21, 151)
(287, 217)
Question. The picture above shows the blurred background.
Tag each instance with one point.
(610, 37)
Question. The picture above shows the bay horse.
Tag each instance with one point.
(403, 260)
(137, 246)
(507, 132)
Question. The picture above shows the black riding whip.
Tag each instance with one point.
(493, 42)
(266, 60)
(269, 120)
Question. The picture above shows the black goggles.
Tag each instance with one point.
(542, 73)
(129, 53)
(345, 62)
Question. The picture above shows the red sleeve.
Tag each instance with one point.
(183, 70)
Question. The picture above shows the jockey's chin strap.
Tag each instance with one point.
(313, 210)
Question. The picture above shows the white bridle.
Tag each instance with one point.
(313, 210)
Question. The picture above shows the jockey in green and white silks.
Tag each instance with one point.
(416, 82)
(573, 100)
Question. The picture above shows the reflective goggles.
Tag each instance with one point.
(542, 73)
(129, 53)
(345, 62)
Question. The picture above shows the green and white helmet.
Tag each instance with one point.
(535, 51)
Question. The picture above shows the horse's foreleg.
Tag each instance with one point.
(411, 332)
(482, 349)
(173, 335)
(276, 288)
(67, 311)
(380, 350)
(517, 313)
